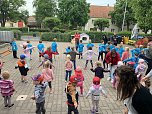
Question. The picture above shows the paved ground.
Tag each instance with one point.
(55, 103)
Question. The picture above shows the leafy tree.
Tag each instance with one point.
(143, 13)
(9, 10)
(23, 15)
(101, 23)
(51, 22)
(75, 13)
(44, 8)
(118, 14)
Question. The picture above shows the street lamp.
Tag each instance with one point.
(124, 16)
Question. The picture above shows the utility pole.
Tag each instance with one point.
(124, 16)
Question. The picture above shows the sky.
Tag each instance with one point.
(31, 10)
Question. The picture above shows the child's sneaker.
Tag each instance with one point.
(97, 112)
(25, 81)
(11, 106)
(5, 106)
(22, 81)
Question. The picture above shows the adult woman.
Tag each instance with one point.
(137, 98)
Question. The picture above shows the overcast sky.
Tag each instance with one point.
(29, 5)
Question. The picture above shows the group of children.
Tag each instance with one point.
(111, 56)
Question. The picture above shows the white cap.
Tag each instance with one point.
(120, 63)
(141, 61)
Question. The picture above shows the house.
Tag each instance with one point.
(31, 22)
(10, 24)
(97, 12)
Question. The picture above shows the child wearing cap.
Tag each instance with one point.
(7, 89)
(21, 64)
(39, 96)
(54, 47)
(99, 70)
(40, 47)
(80, 79)
(68, 68)
(95, 91)
(72, 95)
(48, 75)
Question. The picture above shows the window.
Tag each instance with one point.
(11, 24)
(112, 30)
(113, 22)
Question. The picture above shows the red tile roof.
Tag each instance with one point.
(100, 11)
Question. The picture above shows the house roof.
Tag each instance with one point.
(100, 11)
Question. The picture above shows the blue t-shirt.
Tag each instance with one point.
(80, 47)
(101, 47)
(40, 47)
(29, 45)
(111, 46)
(90, 45)
(68, 50)
(14, 46)
(54, 46)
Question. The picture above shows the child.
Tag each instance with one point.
(134, 59)
(40, 47)
(104, 61)
(54, 46)
(1, 65)
(39, 96)
(95, 91)
(140, 69)
(89, 54)
(49, 52)
(26, 51)
(99, 70)
(125, 54)
(68, 49)
(80, 79)
(48, 75)
(14, 48)
(90, 45)
(120, 50)
(22, 68)
(7, 89)
(73, 54)
(80, 49)
(46, 57)
(72, 95)
(101, 50)
(68, 68)
(29, 45)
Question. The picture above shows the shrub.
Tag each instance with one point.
(124, 33)
(17, 34)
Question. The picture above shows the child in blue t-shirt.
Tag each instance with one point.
(101, 50)
(54, 46)
(40, 47)
(80, 49)
(29, 45)
(90, 45)
(14, 48)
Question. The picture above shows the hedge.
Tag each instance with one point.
(66, 37)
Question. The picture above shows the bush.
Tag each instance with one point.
(17, 34)
(124, 33)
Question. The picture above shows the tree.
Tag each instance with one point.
(44, 8)
(118, 14)
(75, 13)
(23, 15)
(9, 9)
(143, 13)
(101, 23)
(51, 22)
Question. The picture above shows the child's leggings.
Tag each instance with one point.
(100, 54)
(50, 85)
(87, 63)
(28, 62)
(68, 75)
(81, 89)
(95, 104)
(7, 100)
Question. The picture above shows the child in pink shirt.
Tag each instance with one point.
(80, 79)
(68, 68)
(125, 54)
(48, 74)
(7, 89)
